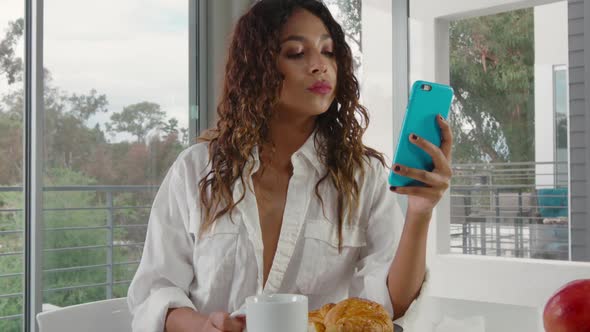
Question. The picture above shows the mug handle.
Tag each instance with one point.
(238, 313)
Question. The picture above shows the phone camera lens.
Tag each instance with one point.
(426, 87)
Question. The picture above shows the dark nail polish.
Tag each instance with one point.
(397, 168)
(392, 188)
(414, 137)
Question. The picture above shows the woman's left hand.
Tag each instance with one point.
(422, 200)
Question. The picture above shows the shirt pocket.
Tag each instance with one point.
(323, 269)
(215, 255)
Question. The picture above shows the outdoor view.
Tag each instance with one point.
(11, 161)
(509, 117)
(116, 117)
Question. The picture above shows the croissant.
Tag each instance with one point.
(350, 315)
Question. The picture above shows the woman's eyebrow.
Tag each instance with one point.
(302, 38)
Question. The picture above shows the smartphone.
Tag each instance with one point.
(427, 100)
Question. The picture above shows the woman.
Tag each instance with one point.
(283, 197)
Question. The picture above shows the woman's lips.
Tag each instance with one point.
(321, 88)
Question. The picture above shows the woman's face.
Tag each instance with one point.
(308, 65)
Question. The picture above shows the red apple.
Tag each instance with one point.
(568, 310)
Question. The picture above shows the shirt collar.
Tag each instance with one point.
(308, 151)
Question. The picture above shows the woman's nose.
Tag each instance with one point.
(319, 68)
(318, 65)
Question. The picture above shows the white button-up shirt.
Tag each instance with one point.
(219, 270)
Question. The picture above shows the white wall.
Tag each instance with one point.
(551, 49)
(450, 9)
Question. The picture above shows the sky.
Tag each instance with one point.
(130, 50)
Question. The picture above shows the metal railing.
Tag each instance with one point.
(110, 226)
(510, 209)
(496, 209)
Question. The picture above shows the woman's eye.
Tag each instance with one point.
(329, 53)
(295, 55)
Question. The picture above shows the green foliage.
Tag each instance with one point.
(349, 16)
(84, 106)
(171, 127)
(11, 265)
(492, 72)
(10, 64)
(78, 154)
(137, 119)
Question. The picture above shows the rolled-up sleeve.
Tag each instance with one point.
(165, 272)
(383, 233)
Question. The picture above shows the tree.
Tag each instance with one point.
(171, 127)
(11, 147)
(137, 119)
(185, 138)
(492, 73)
(11, 141)
(84, 106)
(349, 16)
(68, 140)
(10, 64)
(77, 153)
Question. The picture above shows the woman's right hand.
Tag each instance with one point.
(221, 321)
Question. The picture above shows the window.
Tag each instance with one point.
(348, 14)
(12, 54)
(560, 107)
(363, 23)
(116, 115)
(504, 285)
(509, 194)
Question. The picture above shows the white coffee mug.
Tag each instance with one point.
(275, 312)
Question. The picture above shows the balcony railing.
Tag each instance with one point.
(517, 209)
(510, 209)
(11, 239)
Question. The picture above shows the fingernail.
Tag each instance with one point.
(440, 117)
(392, 188)
(414, 137)
(397, 168)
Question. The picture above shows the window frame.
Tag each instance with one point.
(33, 161)
(555, 69)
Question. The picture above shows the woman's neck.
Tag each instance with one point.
(288, 135)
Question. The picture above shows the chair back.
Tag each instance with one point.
(109, 315)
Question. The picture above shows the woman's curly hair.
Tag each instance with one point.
(250, 93)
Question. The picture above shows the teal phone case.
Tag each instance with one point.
(420, 119)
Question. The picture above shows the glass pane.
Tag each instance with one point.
(560, 107)
(362, 22)
(348, 14)
(509, 196)
(12, 53)
(116, 117)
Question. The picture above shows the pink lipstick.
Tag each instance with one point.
(320, 87)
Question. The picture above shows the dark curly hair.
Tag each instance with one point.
(250, 92)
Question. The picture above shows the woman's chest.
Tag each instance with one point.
(228, 258)
(270, 192)
(291, 223)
